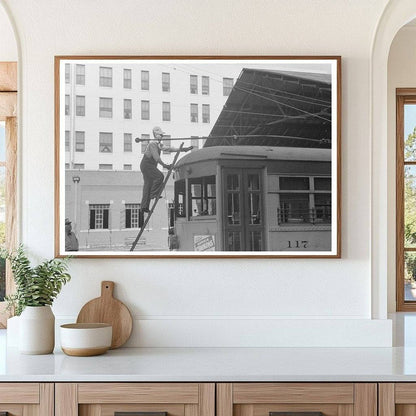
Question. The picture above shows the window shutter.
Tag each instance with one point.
(105, 219)
(92, 219)
(128, 218)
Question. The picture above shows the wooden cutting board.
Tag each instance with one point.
(107, 309)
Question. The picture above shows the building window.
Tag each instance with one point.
(193, 84)
(67, 105)
(67, 141)
(66, 165)
(106, 143)
(67, 73)
(128, 142)
(194, 113)
(304, 200)
(127, 108)
(79, 166)
(80, 74)
(127, 78)
(205, 85)
(106, 107)
(105, 166)
(145, 141)
(195, 143)
(406, 200)
(205, 113)
(80, 105)
(165, 81)
(145, 80)
(80, 141)
(128, 167)
(99, 216)
(132, 216)
(202, 194)
(166, 111)
(227, 86)
(106, 76)
(145, 110)
(166, 143)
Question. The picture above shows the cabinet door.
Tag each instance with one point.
(296, 399)
(397, 399)
(143, 399)
(26, 399)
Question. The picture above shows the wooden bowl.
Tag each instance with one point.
(84, 340)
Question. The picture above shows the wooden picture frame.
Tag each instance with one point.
(262, 180)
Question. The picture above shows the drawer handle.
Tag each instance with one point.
(296, 414)
(138, 414)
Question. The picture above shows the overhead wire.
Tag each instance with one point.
(287, 92)
(280, 103)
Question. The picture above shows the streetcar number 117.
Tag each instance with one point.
(297, 244)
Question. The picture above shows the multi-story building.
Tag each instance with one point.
(107, 105)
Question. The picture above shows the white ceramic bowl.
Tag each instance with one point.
(83, 340)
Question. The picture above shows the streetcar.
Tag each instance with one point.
(252, 198)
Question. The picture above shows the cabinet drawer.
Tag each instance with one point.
(153, 399)
(297, 399)
(21, 399)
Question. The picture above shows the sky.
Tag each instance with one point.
(409, 119)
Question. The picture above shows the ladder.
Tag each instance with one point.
(146, 221)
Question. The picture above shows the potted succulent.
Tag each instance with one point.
(36, 289)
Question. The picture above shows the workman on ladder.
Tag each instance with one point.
(152, 176)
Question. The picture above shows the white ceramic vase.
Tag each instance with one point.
(37, 330)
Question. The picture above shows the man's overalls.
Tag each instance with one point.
(152, 176)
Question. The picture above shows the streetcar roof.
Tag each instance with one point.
(256, 153)
(276, 108)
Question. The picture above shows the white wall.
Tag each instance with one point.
(8, 46)
(179, 302)
(401, 74)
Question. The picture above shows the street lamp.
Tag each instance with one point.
(76, 180)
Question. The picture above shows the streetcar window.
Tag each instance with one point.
(294, 208)
(202, 196)
(304, 200)
(180, 208)
(322, 184)
(294, 183)
(323, 208)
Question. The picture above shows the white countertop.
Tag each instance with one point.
(213, 364)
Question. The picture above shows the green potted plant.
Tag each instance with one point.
(36, 289)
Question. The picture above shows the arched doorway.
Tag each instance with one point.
(396, 15)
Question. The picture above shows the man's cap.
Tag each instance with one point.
(67, 221)
(158, 130)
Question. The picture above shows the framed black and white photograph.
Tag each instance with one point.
(197, 156)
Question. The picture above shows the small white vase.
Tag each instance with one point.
(37, 330)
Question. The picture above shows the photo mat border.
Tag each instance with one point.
(336, 234)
